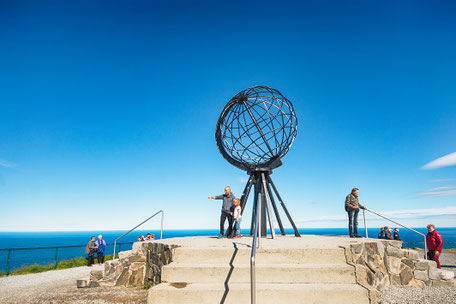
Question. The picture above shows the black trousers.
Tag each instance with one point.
(100, 257)
(90, 259)
(223, 217)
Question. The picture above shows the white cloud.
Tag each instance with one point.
(442, 180)
(449, 190)
(4, 163)
(444, 161)
(395, 215)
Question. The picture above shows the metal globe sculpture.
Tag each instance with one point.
(255, 130)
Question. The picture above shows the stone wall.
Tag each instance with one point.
(383, 263)
(139, 266)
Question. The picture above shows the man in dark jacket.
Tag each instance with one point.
(227, 211)
(434, 244)
(352, 207)
(90, 250)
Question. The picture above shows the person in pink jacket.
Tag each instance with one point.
(434, 244)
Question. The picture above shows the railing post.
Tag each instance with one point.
(365, 227)
(425, 248)
(114, 254)
(161, 232)
(55, 260)
(8, 261)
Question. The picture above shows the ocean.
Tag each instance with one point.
(21, 258)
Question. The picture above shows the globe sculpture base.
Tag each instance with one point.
(261, 180)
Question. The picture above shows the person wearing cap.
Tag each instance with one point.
(352, 207)
(101, 245)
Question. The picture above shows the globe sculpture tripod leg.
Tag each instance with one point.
(284, 208)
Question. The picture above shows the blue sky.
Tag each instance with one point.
(108, 108)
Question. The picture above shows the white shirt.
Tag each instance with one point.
(237, 211)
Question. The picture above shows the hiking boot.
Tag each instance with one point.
(357, 236)
(220, 236)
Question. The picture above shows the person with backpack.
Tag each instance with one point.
(101, 245)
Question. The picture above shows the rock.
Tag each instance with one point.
(395, 279)
(422, 265)
(421, 275)
(124, 254)
(411, 254)
(96, 275)
(410, 263)
(443, 283)
(445, 275)
(393, 265)
(406, 275)
(394, 252)
(357, 248)
(362, 275)
(124, 277)
(396, 244)
(434, 274)
(82, 283)
(415, 282)
(93, 284)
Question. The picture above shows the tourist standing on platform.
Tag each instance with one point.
(388, 234)
(90, 250)
(434, 244)
(381, 233)
(396, 234)
(352, 207)
(237, 217)
(227, 211)
(101, 245)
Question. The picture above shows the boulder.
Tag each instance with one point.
(96, 275)
(393, 265)
(421, 275)
(412, 254)
(124, 254)
(395, 279)
(406, 275)
(445, 275)
(82, 283)
(434, 273)
(357, 248)
(394, 252)
(443, 283)
(415, 282)
(410, 263)
(422, 265)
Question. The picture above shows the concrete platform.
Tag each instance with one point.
(309, 269)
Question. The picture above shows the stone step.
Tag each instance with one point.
(263, 256)
(274, 273)
(266, 293)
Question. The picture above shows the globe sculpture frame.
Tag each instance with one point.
(255, 130)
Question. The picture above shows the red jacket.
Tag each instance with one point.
(434, 241)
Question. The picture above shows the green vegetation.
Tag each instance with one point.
(65, 264)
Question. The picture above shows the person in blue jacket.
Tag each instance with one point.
(101, 245)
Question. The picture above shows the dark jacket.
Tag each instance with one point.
(90, 247)
(434, 241)
(396, 236)
(351, 201)
(227, 205)
(388, 235)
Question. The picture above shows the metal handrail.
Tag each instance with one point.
(393, 221)
(48, 247)
(255, 243)
(161, 231)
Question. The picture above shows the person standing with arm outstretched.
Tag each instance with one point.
(352, 207)
(227, 211)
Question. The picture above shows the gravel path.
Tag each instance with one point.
(424, 295)
(59, 286)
